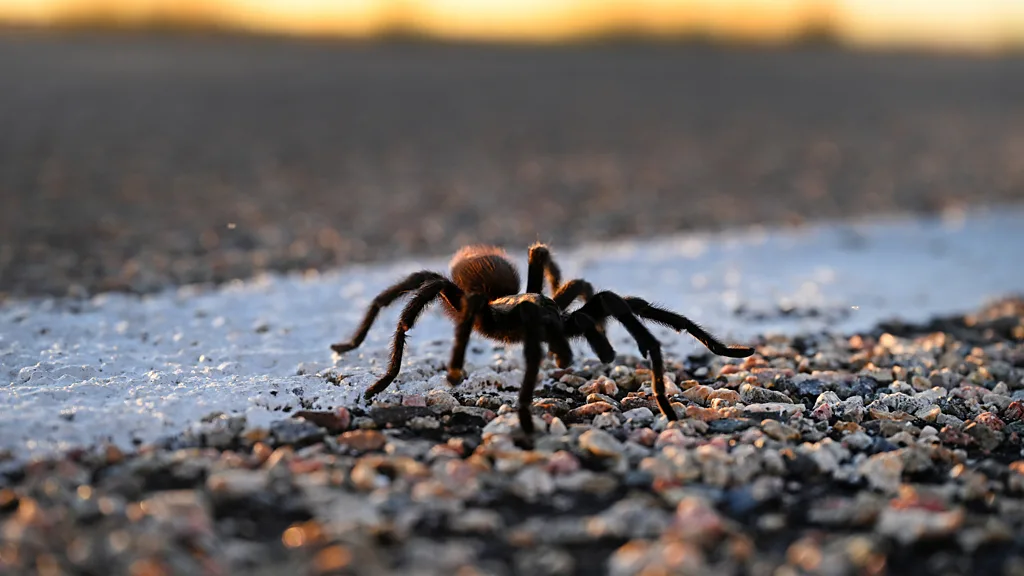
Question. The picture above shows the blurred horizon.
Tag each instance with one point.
(983, 25)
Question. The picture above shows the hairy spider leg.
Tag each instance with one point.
(557, 341)
(532, 354)
(572, 290)
(424, 296)
(540, 265)
(678, 322)
(580, 323)
(414, 281)
(473, 304)
(605, 304)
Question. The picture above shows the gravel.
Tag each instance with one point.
(817, 479)
(133, 162)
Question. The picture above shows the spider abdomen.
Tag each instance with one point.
(485, 270)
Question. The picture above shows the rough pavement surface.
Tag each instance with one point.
(126, 159)
(894, 451)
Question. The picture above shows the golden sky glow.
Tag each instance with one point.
(975, 24)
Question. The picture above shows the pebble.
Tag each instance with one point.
(725, 395)
(293, 432)
(441, 401)
(774, 409)
(910, 525)
(608, 420)
(780, 431)
(602, 385)
(588, 411)
(557, 427)
(756, 395)
(362, 440)
(883, 471)
(638, 417)
(333, 421)
(601, 443)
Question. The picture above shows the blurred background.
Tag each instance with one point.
(148, 143)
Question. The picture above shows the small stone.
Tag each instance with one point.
(366, 476)
(220, 431)
(671, 389)
(848, 427)
(954, 437)
(725, 395)
(178, 507)
(774, 408)
(624, 378)
(851, 409)
(757, 395)
(929, 413)
(920, 383)
(991, 420)
(913, 524)
(673, 437)
(423, 423)
(414, 400)
(397, 415)
(603, 385)
(573, 380)
(1014, 411)
(295, 432)
(985, 436)
(237, 482)
(639, 416)
(588, 411)
(333, 421)
(999, 401)
(858, 441)
(697, 520)
(809, 388)
(544, 561)
(484, 414)
(702, 414)
(780, 431)
(883, 471)
(441, 401)
(476, 521)
(602, 398)
(489, 402)
(361, 441)
(728, 426)
(822, 413)
(557, 427)
(827, 398)
(698, 394)
(601, 443)
(562, 462)
(532, 483)
(898, 402)
(553, 406)
(606, 420)
(644, 436)
(826, 454)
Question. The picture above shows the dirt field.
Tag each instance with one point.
(133, 162)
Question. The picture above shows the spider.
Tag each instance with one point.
(483, 295)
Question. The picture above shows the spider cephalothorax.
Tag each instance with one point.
(483, 295)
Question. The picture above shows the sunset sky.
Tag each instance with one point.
(974, 24)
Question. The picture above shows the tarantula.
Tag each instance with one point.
(483, 295)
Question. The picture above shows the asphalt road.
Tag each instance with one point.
(136, 162)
